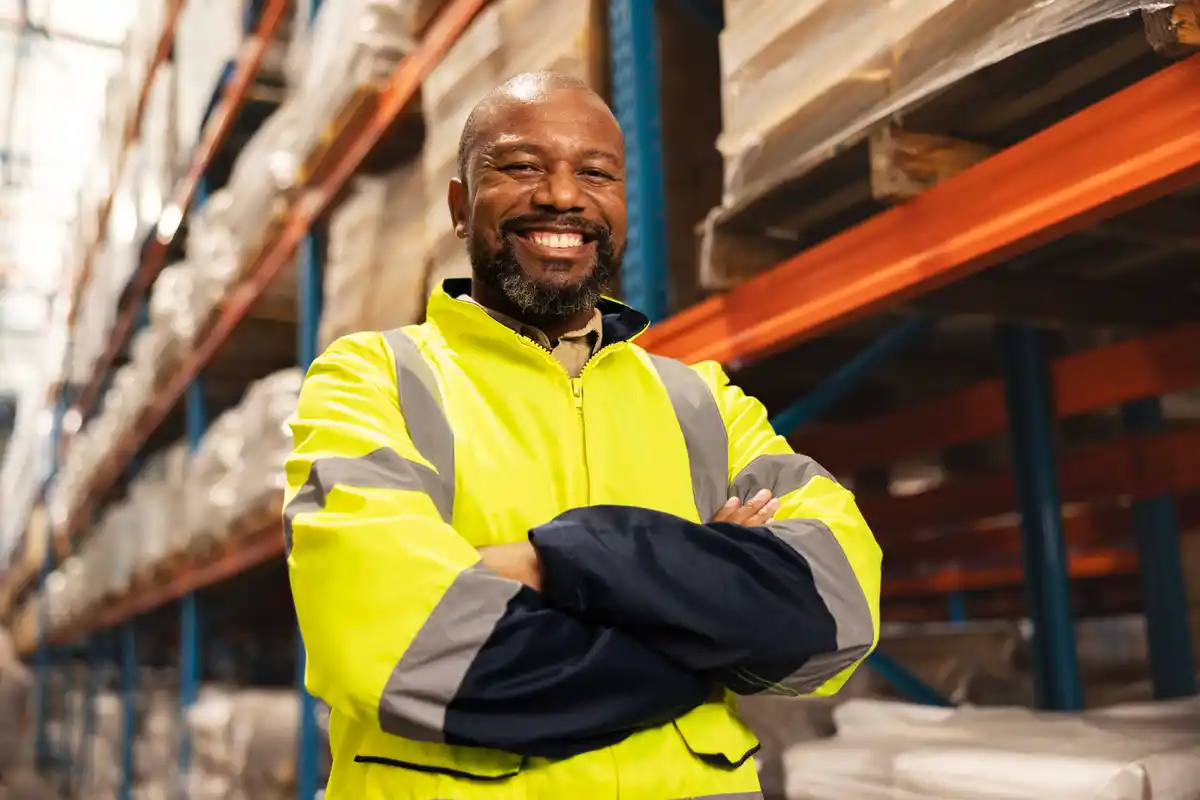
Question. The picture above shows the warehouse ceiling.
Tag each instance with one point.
(55, 59)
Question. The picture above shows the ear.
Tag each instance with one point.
(459, 202)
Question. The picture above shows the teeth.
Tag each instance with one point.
(562, 240)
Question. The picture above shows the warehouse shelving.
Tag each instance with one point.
(1118, 154)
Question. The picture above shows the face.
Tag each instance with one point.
(543, 211)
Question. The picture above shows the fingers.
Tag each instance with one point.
(758, 510)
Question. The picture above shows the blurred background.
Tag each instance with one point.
(951, 244)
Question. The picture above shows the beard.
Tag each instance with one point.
(540, 301)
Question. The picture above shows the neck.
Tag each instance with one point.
(552, 326)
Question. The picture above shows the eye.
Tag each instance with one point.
(596, 174)
(519, 168)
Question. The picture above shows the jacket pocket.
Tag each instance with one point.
(714, 734)
(467, 763)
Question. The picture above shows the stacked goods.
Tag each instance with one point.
(353, 238)
(14, 687)
(802, 79)
(507, 38)
(244, 743)
(103, 777)
(375, 274)
(352, 45)
(896, 750)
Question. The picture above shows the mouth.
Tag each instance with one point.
(556, 242)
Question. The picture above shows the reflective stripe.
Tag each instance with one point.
(782, 473)
(703, 433)
(842, 594)
(429, 674)
(420, 403)
(707, 443)
(727, 796)
(381, 469)
(431, 670)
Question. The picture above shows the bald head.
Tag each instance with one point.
(526, 89)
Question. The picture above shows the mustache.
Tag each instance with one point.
(587, 227)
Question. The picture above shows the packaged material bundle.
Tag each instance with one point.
(245, 744)
(507, 38)
(103, 777)
(354, 230)
(896, 750)
(351, 45)
(14, 686)
(375, 276)
(801, 78)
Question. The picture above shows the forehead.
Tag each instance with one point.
(558, 119)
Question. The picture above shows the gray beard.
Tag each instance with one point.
(536, 301)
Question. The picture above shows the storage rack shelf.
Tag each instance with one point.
(1119, 154)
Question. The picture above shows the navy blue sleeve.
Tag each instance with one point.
(551, 686)
(733, 603)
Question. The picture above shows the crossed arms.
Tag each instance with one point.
(410, 627)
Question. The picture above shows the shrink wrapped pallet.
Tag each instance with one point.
(352, 45)
(354, 236)
(103, 776)
(397, 295)
(267, 441)
(159, 143)
(215, 470)
(802, 78)
(897, 750)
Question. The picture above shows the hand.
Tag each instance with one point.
(758, 510)
(516, 561)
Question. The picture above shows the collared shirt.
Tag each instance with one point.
(573, 349)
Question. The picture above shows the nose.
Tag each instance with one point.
(559, 191)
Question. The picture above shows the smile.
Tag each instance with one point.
(555, 243)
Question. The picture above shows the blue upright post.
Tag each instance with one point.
(41, 746)
(1164, 592)
(957, 606)
(1035, 473)
(128, 705)
(311, 284)
(637, 101)
(189, 614)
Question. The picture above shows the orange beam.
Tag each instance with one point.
(1157, 364)
(1132, 147)
(1138, 467)
(133, 128)
(451, 21)
(220, 123)
(1096, 564)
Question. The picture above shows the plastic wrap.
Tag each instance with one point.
(897, 750)
(207, 38)
(354, 235)
(397, 290)
(351, 44)
(267, 440)
(15, 681)
(159, 144)
(215, 470)
(803, 77)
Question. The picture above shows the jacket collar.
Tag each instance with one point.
(454, 316)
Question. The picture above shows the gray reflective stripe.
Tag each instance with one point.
(703, 433)
(843, 595)
(433, 667)
(421, 404)
(381, 469)
(782, 474)
(727, 796)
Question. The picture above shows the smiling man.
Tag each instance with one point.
(531, 560)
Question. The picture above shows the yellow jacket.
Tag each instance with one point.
(415, 447)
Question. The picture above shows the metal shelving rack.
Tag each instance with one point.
(1140, 144)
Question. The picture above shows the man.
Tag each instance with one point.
(515, 566)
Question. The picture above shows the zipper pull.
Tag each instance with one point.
(577, 391)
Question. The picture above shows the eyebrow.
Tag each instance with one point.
(497, 149)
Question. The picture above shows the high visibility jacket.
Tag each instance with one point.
(417, 446)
